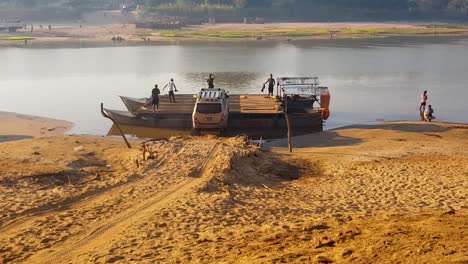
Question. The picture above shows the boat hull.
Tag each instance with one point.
(254, 125)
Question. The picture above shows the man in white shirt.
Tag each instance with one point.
(172, 89)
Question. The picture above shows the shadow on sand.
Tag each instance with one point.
(322, 139)
(331, 138)
(8, 138)
(403, 127)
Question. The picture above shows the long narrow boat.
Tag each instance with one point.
(133, 104)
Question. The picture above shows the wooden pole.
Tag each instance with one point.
(115, 123)
(288, 124)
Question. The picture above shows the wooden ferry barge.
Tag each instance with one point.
(303, 103)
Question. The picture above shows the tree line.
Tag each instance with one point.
(395, 5)
(455, 6)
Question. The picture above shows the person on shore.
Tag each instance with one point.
(429, 114)
(210, 81)
(423, 102)
(50, 27)
(271, 85)
(171, 88)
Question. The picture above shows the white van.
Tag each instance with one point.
(211, 110)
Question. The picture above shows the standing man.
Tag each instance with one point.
(172, 89)
(154, 100)
(423, 102)
(271, 85)
(210, 81)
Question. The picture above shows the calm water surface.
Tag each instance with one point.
(370, 80)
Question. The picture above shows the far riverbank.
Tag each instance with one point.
(101, 36)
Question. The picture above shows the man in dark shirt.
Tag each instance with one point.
(210, 81)
(271, 85)
(155, 98)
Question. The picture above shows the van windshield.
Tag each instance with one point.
(208, 108)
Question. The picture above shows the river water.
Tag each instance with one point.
(370, 80)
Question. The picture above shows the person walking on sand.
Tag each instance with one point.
(210, 81)
(423, 102)
(271, 85)
(171, 88)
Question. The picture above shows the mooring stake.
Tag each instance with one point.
(115, 123)
(285, 111)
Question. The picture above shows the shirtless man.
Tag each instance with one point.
(423, 102)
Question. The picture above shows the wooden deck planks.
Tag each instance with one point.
(245, 104)
(256, 104)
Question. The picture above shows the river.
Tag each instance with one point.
(370, 80)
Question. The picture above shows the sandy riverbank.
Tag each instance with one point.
(371, 194)
(17, 126)
(100, 36)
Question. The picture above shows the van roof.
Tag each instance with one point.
(211, 95)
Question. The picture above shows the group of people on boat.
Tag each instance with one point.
(172, 89)
(154, 99)
(426, 112)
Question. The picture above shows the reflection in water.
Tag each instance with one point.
(234, 82)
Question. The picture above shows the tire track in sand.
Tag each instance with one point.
(104, 232)
(31, 216)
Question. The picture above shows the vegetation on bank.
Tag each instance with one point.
(13, 38)
(291, 33)
(285, 10)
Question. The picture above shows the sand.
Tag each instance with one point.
(392, 193)
(18, 126)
